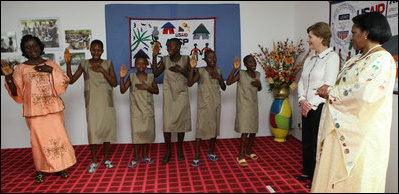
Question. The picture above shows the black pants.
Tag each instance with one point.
(310, 129)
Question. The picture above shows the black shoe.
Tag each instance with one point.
(308, 186)
(166, 158)
(303, 177)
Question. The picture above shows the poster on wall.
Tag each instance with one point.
(8, 42)
(76, 57)
(196, 35)
(77, 39)
(46, 29)
(134, 27)
(341, 14)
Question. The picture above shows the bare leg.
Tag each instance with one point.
(106, 149)
(168, 153)
(136, 152)
(145, 148)
(180, 138)
(212, 146)
(197, 148)
(93, 148)
(243, 140)
(250, 142)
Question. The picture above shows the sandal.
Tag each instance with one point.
(303, 177)
(195, 163)
(133, 164)
(212, 157)
(148, 160)
(64, 174)
(242, 162)
(108, 164)
(93, 167)
(252, 156)
(39, 177)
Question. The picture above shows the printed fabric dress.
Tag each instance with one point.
(247, 114)
(208, 106)
(355, 125)
(142, 111)
(100, 110)
(176, 104)
(39, 93)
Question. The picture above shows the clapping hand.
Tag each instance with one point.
(6, 67)
(237, 63)
(193, 62)
(67, 56)
(123, 71)
(43, 68)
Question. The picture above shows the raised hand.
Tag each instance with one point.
(43, 68)
(155, 50)
(193, 62)
(6, 67)
(123, 71)
(237, 63)
(67, 56)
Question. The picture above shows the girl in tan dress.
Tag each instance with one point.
(38, 84)
(176, 104)
(99, 82)
(143, 86)
(210, 81)
(247, 105)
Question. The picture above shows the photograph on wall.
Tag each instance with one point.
(49, 56)
(46, 29)
(78, 39)
(196, 35)
(8, 42)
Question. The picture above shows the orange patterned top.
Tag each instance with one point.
(41, 90)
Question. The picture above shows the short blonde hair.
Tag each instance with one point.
(321, 29)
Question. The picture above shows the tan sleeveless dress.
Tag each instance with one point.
(100, 110)
(142, 111)
(247, 114)
(208, 106)
(176, 104)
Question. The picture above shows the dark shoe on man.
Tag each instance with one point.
(302, 177)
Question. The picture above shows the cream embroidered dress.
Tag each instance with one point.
(100, 110)
(208, 106)
(142, 111)
(176, 104)
(354, 134)
(247, 114)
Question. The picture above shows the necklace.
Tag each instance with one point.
(361, 57)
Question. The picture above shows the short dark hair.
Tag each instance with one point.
(29, 37)
(207, 52)
(321, 29)
(99, 42)
(246, 58)
(176, 40)
(377, 25)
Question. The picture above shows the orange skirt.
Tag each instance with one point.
(51, 148)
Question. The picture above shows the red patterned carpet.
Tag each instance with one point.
(277, 167)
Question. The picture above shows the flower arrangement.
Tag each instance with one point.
(279, 64)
